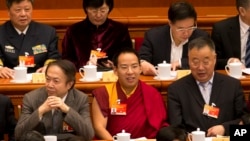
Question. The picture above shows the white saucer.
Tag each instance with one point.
(173, 73)
(93, 80)
(209, 138)
(246, 70)
(20, 81)
(168, 78)
(239, 77)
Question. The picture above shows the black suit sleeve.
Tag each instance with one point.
(239, 105)
(215, 35)
(146, 48)
(8, 116)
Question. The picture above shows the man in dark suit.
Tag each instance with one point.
(230, 36)
(7, 118)
(21, 36)
(58, 108)
(169, 42)
(205, 99)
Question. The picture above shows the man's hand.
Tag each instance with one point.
(6, 72)
(44, 108)
(216, 130)
(56, 103)
(92, 59)
(108, 64)
(175, 65)
(42, 69)
(231, 60)
(148, 69)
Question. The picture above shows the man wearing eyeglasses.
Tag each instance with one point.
(95, 33)
(205, 99)
(169, 42)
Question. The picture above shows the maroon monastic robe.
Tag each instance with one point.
(146, 111)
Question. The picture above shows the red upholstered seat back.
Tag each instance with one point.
(138, 42)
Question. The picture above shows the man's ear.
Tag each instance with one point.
(115, 70)
(70, 84)
(242, 11)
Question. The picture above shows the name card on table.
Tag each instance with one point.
(109, 76)
(182, 73)
(38, 78)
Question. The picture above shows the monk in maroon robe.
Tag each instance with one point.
(128, 104)
(94, 32)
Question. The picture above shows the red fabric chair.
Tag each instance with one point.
(138, 42)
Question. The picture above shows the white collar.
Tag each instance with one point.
(24, 31)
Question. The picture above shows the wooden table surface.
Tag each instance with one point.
(16, 91)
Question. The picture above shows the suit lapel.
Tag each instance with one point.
(70, 99)
(195, 92)
(167, 42)
(216, 89)
(185, 50)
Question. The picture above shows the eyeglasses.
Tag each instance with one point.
(103, 10)
(189, 29)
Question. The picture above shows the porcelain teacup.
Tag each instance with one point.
(234, 69)
(88, 72)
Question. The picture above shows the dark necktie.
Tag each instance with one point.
(21, 39)
(247, 56)
(57, 121)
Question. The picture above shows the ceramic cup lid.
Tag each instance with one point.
(123, 133)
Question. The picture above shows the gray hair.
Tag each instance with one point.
(200, 43)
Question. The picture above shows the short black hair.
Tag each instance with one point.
(170, 133)
(242, 3)
(201, 42)
(122, 51)
(10, 2)
(181, 10)
(67, 67)
(97, 4)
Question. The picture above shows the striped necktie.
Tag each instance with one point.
(247, 56)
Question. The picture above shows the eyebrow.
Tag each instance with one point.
(188, 26)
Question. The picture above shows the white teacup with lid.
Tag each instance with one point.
(197, 135)
(20, 73)
(234, 69)
(90, 72)
(123, 136)
(164, 69)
